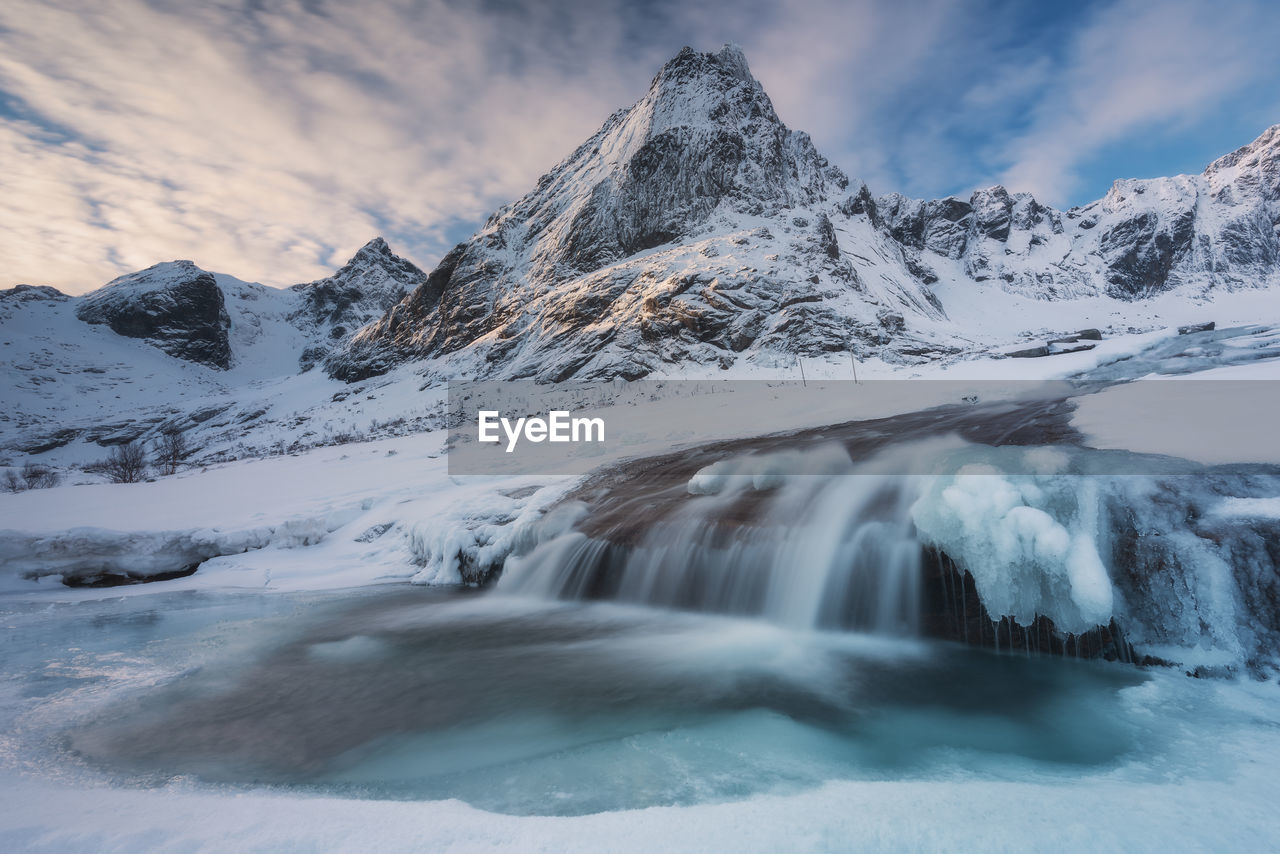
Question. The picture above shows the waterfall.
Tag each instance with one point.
(1007, 547)
(808, 540)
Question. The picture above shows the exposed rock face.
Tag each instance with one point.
(364, 289)
(175, 306)
(689, 227)
(1219, 229)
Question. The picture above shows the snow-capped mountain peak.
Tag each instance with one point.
(705, 133)
(358, 293)
(703, 155)
(1262, 155)
(633, 252)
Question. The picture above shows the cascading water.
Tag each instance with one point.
(1019, 547)
(807, 540)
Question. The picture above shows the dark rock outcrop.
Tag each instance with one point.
(174, 306)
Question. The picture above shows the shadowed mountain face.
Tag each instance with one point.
(695, 226)
(176, 306)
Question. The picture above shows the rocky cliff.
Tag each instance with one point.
(696, 227)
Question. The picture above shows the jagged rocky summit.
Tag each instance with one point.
(191, 314)
(365, 288)
(691, 227)
(696, 227)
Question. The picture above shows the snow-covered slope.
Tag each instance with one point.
(1216, 230)
(174, 345)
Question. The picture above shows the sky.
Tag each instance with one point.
(270, 140)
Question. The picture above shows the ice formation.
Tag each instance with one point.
(1029, 541)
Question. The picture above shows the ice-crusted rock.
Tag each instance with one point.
(174, 306)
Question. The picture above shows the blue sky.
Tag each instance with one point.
(271, 139)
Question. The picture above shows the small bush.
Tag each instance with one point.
(171, 447)
(127, 463)
(37, 476)
(32, 476)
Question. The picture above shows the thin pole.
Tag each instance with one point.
(800, 362)
(854, 362)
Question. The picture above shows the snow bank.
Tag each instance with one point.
(335, 516)
(89, 552)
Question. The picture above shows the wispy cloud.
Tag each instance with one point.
(273, 141)
(1140, 67)
(270, 139)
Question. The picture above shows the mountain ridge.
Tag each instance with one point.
(578, 277)
(693, 233)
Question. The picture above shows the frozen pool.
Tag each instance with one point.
(201, 721)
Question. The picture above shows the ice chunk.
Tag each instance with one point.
(1028, 540)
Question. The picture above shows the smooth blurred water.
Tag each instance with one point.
(525, 706)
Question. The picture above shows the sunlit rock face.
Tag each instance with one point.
(695, 227)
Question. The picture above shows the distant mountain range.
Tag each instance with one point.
(695, 227)
(694, 230)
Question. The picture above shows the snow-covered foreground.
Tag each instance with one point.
(331, 517)
(347, 710)
(590, 728)
(388, 509)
